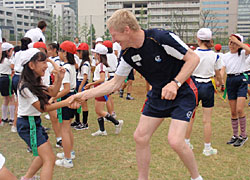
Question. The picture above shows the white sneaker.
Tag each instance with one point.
(99, 133)
(13, 129)
(118, 127)
(61, 155)
(64, 163)
(209, 152)
(47, 116)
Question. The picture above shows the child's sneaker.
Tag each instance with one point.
(81, 127)
(59, 144)
(47, 116)
(13, 129)
(240, 141)
(209, 152)
(74, 124)
(67, 163)
(33, 178)
(11, 121)
(61, 155)
(99, 133)
(118, 127)
(121, 93)
(5, 120)
(129, 97)
(233, 140)
(29, 150)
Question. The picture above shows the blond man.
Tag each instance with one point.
(166, 63)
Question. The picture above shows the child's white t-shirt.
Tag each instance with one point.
(25, 101)
(100, 68)
(85, 69)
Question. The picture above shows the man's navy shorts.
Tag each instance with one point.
(23, 129)
(181, 108)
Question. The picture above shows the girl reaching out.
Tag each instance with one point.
(66, 54)
(32, 101)
(101, 75)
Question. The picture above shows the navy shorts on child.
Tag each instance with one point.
(23, 129)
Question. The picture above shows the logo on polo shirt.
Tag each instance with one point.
(136, 59)
(158, 59)
(189, 114)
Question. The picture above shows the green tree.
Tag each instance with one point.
(92, 34)
(59, 29)
(143, 18)
(107, 35)
(50, 28)
(84, 32)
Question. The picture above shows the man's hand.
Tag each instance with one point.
(76, 100)
(169, 91)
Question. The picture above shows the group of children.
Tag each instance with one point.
(210, 73)
(44, 79)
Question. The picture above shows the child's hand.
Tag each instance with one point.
(87, 86)
(74, 101)
(60, 72)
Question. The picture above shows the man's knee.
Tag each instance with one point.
(175, 143)
(141, 138)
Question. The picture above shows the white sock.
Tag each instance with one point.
(187, 141)
(207, 146)
(198, 178)
(4, 112)
(58, 139)
(12, 111)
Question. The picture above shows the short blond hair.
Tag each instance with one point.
(122, 18)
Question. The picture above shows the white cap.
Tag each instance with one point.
(99, 39)
(100, 49)
(28, 54)
(6, 46)
(239, 36)
(204, 34)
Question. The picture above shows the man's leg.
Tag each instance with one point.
(176, 136)
(144, 131)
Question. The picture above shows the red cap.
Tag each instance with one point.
(69, 47)
(108, 44)
(83, 46)
(248, 45)
(40, 45)
(217, 47)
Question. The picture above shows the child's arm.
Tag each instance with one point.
(241, 44)
(59, 74)
(101, 80)
(85, 76)
(51, 107)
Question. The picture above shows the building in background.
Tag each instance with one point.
(15, 23)
(73, 4)
(58, 15)
(220, 16)
(63, 23)
(243, 25)
(29, 4)
(91, 12)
